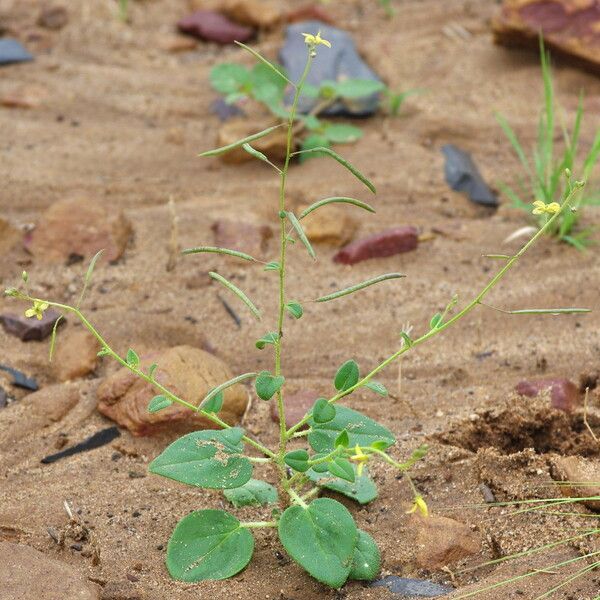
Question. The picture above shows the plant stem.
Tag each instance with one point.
(167, 393)
(467, 309)
(283, 246)
(258, 524)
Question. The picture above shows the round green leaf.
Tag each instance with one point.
(361, 430)
(366, 562)
(358, 88)
(342, 468)
(209, 458)
(252, 493)
(295, 309)
(269, 338)
(321, 538)
(363, 490)
(322, 411)
(158, 403)
(228, 78)
(268, 385)
(297, 460)
(208, 544)
(347, 376)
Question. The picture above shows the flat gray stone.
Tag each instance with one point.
(412, 588)
(337, 63)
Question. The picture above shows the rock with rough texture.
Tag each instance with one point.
(26, 573)
(385, 243)
(213, 26)
(412, 588)
(441, 541)
(583, 471)
(9, 236)
(11, 51)
(333, 225)
(242, 236)
(79, 228)
(337, 63)
(462, 175)
(570, 26)
(189, 373)
(30, 329)
(53, 17)
(52, 403)
(28, 95)
(76, 354)
(274, 145)
(309, 12)
(262, 14)
(564, 394)
(296, 406)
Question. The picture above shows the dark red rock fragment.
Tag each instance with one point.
(214, 27)
(296, 406)
(570, 26)
(385, 243)
(564, 394)
(30, 329)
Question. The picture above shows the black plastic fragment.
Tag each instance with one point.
(20, 379)
(99, 439)
(462, 175)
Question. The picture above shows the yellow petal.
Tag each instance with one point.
(553, 208)
(30, 313)
(538, 211)
(539, 204)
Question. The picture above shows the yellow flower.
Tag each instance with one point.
(540, 207)
(419, 505)
(361, 458)
(315, 40)
(37, 310)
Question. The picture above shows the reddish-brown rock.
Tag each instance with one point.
(187, 372)
(242, 236)
(30, 329)
(564, 394)
(274, 145)
(385, 243)
(254, 13)
(296, 406)
(76, 354)
(79, 228)
(441, 541)
(581, 471)
(570, 26)
(29, 95)
(309, 12)
(9, 236)
(214, 27)
(53, 17)
(26, 573)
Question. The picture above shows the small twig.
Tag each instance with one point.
(230, 311)
(173, 247)
(585, 412)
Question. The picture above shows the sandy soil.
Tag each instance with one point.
(121, 124)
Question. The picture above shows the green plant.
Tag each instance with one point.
(329, 447)
(266, 84)
(544, 171)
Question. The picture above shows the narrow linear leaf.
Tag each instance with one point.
(272, 266)
(254, 152)
(246, 140)
(152, 370)
(343, 162)
(216, 250)
(296, 225)
(265, 61)
(335, 200)
(158, 403)
(235, 290)
(408, 342)
(88, 276)
(214, 404)
(546, 311)
(223, 386)
(359, 286)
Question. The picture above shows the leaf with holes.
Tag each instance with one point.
(252, 493)
(321, 538)
(208, 544)
(210, 459)
(361, 430)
